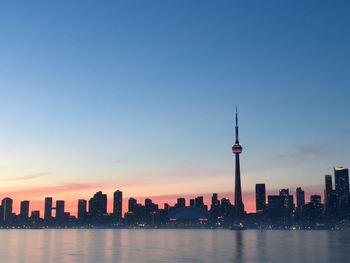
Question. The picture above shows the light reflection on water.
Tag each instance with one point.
(66, 246)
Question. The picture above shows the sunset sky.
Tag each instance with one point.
(140, 96)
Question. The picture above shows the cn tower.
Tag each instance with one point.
(237, 150)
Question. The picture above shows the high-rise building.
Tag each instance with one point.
(24, 210)
(214, 201)
(237, 150)
(328, 189)
(315, 199)
(199, 202)
(166, 207)
(148, 204)
(192, 202)
(341, 176)
(98, 206)
(288, 199)
(82, 213)
(181, 202)
(226, 207)
(300, 194)
(48, 208)
(260, 197)
(59, 209)
(330, 198)
(215, 207)
(6, 205)
(118, 205)
(132, 203)
(35, 215)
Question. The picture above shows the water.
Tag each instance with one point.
(66, 246)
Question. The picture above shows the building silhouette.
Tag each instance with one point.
(35, 216)
(6, 205)
(260, 197)
(300, 196)
(132, 204)
(237, 150)
(341, 176)
(328, 192)
(24, 210)
(181, 202)
(98, 206)
(82, 212)
(48, 208)
(118, 205)
(60, 209)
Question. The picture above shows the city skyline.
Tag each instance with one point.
(73, 209)
(142, 97)
(284, 210)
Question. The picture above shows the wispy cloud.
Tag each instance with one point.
(310, 149)
(25, 177)
(304, 150)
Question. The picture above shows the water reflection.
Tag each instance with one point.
(173, 246)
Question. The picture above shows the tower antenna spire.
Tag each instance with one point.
(236, 116)
(236, 128)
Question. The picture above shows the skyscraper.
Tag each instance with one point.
(98, 206)
(260, 197)
(6, 205)
(237, 150)
(199, 202)
(341, 176)
(48, 208)
(328, 187)
(328, 195)
(132, 203)
(82, 213)
(214, 201)
(59, 209)
(118, 205)
(300, 194)
(24, 210)
(181, 202)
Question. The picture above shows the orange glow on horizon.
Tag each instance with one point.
(72, 192)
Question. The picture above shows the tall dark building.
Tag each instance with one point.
(82, 204)
(6, 205)
(199, 202)
(328, 187)
(132, 203)
(260, 197)
(166, 207)
(59, 209)
(35, 215)
(341, 176)
(148, 204)
(24, 210)
(181, 202)
(98, 206)
(237, 150)
(315, 199)
(214, 201)
(48, 208)
(300, 194)
(118, 205)
(192, 202)
(288, 199)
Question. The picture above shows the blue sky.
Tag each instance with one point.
(106, 92)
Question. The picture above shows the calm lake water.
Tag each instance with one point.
(173, 246)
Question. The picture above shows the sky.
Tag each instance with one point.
(140, 96)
